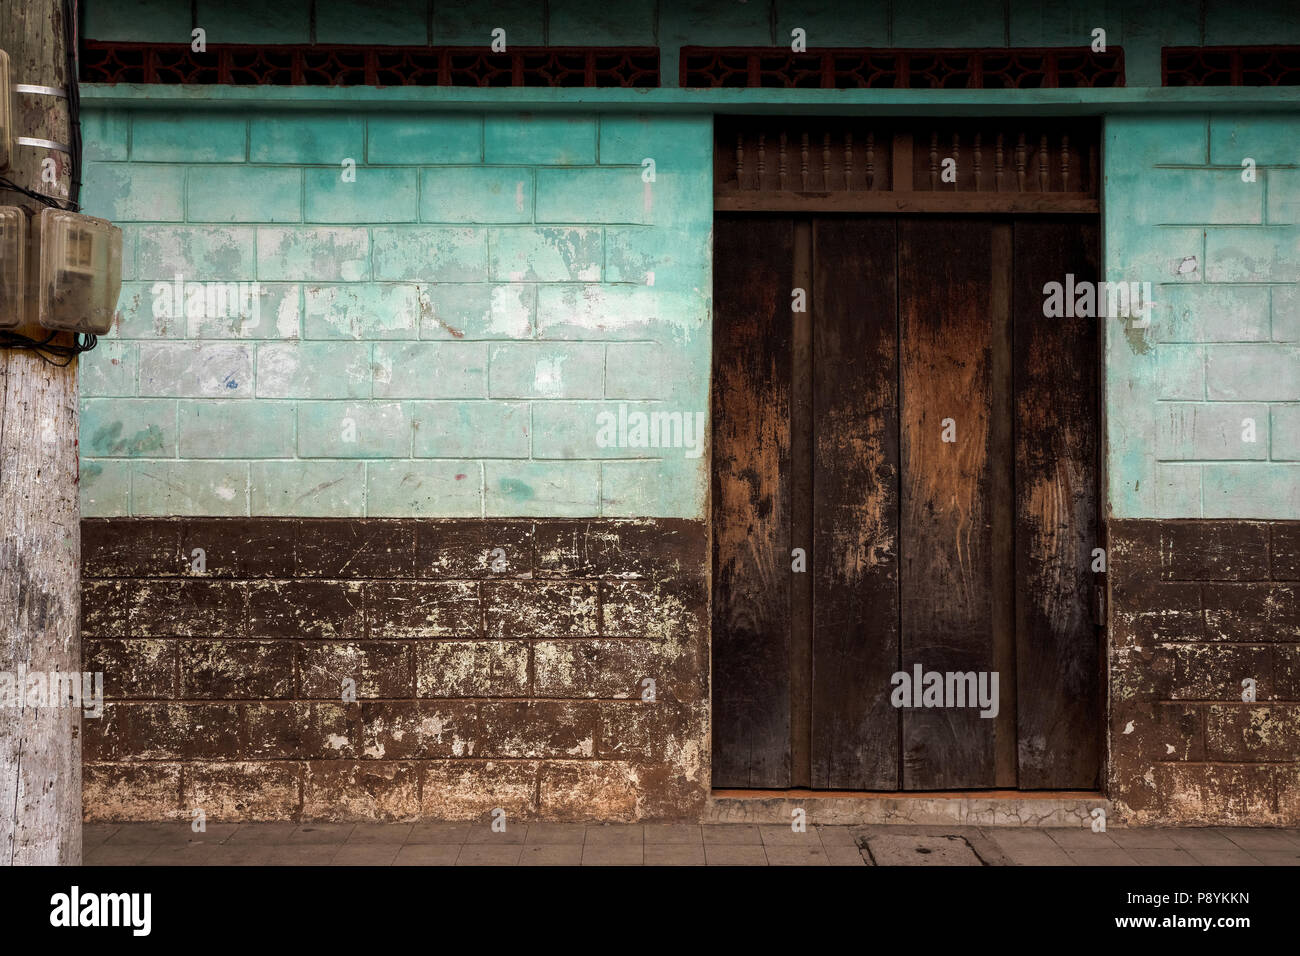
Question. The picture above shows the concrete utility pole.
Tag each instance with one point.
(40, 538)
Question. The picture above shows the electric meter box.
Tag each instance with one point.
(6, 111)
(78, 275)
(13, 266)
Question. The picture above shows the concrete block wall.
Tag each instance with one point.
(1205, 672)
(556, 669)
(435, 338)
(1203, 426)
(1203, 406)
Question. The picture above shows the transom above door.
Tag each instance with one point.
(872, 165)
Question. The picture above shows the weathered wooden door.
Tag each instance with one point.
(924, 441)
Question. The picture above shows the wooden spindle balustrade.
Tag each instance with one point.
(998, 161)
(1022, 166)
(1020, 163)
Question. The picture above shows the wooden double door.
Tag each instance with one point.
(905, 472)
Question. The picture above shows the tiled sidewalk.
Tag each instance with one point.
(445, 844)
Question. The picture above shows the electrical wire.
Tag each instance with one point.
(70, 84)
(7, 183)
(44, 348)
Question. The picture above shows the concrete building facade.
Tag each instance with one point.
(357, 540)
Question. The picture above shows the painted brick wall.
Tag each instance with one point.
(1223, 345)
(436, 338)
(1197, 608)
(496, 664)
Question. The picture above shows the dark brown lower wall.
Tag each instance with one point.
(480, 684)
(494, 663)
(1198, 607)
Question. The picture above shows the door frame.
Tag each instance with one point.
(903, 194)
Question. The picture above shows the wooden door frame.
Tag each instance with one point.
(902, 199)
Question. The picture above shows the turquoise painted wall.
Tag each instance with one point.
(1203, 406)
(437, 337)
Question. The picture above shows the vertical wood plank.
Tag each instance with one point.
(1058, 646)
(801, 509)
(751, 501)
(855, 504)
(40, 536)
(1002, 506)
(946, 553)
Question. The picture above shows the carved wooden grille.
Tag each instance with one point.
(369, 66)
(868, 165)
(846, 68)
(818, 156)
(1231, 66)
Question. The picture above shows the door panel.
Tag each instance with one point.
(945, 574)
(970, 555)
(751, 502)
(855, 504)
(1057, 646)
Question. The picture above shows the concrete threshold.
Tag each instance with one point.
(984, 808)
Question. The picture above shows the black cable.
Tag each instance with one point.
(7, 183)
(81, 342)
(70, 81)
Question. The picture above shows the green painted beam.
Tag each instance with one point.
(1055, 102)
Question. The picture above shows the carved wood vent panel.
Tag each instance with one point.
(867, 165)
(322, 65)
(846, 68)
(1230, 65)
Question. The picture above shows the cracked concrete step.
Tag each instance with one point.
(996, 809)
